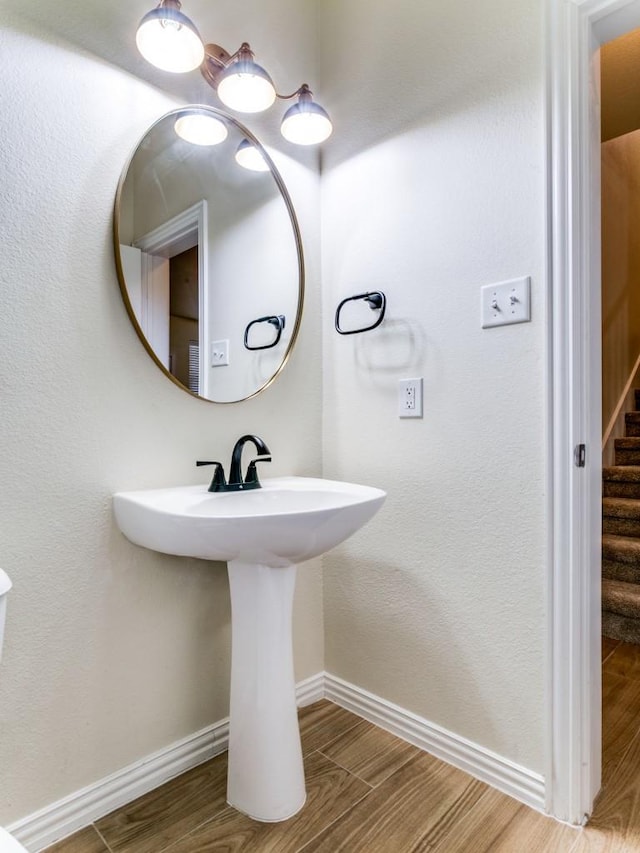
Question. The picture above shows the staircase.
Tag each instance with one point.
(621, 536)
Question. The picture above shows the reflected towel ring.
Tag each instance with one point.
(276, 320)
(377, 302)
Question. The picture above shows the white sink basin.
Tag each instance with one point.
(288, 520)
(262, 534)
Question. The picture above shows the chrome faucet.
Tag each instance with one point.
(236, 483)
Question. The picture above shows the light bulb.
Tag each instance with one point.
(169, 40)
(245, 86)
(200, 129)
(250, 157)
(306, 123)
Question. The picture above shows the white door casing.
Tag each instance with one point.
(576, 29)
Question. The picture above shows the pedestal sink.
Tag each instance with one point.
(262, 535)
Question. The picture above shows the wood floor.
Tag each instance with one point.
(369, 792)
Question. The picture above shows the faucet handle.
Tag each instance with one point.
(251, 478)
(218, 483)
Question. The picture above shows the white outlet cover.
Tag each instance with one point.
(506, 303)
(410, 398)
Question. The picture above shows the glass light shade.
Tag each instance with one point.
(246, 87)
(201, 129)
(167, 39)
(306, 123)
(250, 157)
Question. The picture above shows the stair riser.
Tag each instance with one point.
(621, 489)
(620, 627)
(620, 561)
(626, 456)
(621, 526)
(615, 571)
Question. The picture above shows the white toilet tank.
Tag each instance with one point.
(5, 586)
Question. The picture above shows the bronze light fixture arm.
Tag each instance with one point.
(170, 41)
(217, 60)
(302, 90)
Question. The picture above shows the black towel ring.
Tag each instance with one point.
(377, 302)
(276, 320)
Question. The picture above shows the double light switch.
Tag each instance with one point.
(507, 302)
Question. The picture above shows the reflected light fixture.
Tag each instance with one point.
(170, 41)
(200, 129)
(250, 157)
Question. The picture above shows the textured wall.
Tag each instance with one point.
(620, 266)
(433, 187)
(112, 652)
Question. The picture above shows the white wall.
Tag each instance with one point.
(112, 652)
(433, 186)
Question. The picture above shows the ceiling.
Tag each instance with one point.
(107, 30)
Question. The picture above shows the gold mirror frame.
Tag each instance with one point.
(294, 225)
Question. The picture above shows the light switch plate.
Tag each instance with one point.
(219, 353)
(507, 302)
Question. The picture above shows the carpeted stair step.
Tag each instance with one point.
(618, 627)
(621, 558)
(621, 481)
(621, 516)
(621, 611)
(627, 451)
(632, 424)
(621, 597)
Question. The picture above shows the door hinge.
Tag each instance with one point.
(579, 455)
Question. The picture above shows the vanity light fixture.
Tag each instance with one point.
(249, 157)
(243, 85)
(169, 40)
(200, 129)
(166, 39)
(306, 123)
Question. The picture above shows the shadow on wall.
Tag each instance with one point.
(397, 345)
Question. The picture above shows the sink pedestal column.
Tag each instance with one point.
(266, 775)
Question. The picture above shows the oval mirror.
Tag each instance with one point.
(209, 255)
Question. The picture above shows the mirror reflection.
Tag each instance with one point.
(209, 254)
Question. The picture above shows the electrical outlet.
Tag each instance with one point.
(410, 398)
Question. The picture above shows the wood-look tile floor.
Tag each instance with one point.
(370, 792)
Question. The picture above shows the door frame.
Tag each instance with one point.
(183, 231)
(575, 30)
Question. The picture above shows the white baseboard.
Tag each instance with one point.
(499, 772)
(310, 690)
(43, 828)
(64, 817)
